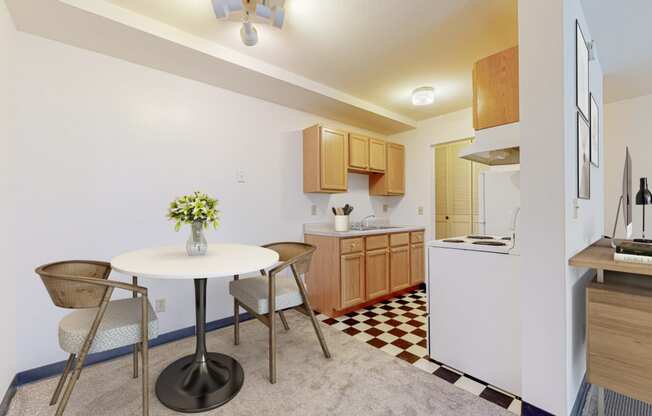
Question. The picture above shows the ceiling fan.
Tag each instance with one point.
(260, 11)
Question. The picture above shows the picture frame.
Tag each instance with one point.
(595, 132)
(582, 99)
(583, 157)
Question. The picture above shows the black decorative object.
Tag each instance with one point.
(643, 198)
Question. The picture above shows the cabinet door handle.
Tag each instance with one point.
(447, 217)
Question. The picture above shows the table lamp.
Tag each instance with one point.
(643, 197)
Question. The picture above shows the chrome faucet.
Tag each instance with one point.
(367, 222)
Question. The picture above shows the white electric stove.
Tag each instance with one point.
(488, 243)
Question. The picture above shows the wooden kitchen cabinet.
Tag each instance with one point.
(358, 152)
(366, 155)
(417, 265)
(325, 160)
(349, 273)
(352, 279)
(399, 268)
(377, 273)
(495, 90)
(377, 155)
(392, 182)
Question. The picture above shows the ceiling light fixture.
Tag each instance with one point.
(271, 12)
(423, 96)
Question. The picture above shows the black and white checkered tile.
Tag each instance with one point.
(398, 327)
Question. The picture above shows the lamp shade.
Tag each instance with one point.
(643, 197)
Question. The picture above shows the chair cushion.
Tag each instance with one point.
(120, 326)
(254, 293)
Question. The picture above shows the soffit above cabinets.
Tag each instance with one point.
(102, 27)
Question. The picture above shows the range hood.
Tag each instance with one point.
(495, 146)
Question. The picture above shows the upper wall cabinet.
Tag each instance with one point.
(366, 154)
(495, 90)
(393, 181)
(325, 160)
(358, 152)
(377, 155)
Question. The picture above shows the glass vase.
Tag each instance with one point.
(197, 245)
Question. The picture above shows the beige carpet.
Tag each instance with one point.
(358, 380)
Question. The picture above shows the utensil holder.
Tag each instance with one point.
(342, 223)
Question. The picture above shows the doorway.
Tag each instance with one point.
(457, 210)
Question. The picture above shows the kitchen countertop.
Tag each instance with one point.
(328, 230)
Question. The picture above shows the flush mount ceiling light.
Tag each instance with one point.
(423, 96)
(260, 11)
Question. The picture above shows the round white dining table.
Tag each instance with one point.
(204, 380)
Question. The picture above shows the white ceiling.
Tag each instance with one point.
(622, 31)
(374, 50)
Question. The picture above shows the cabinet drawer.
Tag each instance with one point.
(400, 239)
(376, 241)
(416, 237)
(619, 352)
(351, 245)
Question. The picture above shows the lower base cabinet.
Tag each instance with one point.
(349, 272)
(399, 261)
(377, 273)
(417, 264)
(352, 278)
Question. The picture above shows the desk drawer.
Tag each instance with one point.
(619, 336)
(351, 245)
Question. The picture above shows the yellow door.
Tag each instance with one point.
(377, 155)
(333, 159)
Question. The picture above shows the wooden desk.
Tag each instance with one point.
(619, 325)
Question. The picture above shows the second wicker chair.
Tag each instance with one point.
(263, 296)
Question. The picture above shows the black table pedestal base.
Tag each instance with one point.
(205, 380)
(188, 386)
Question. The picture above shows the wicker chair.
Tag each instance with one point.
(262, 296)
(97, 323)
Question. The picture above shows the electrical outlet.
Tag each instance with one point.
(385, 207)
(159, 305)
(420, 211)
(313, 210)
(240, 176)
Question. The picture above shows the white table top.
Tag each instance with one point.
(172, 262)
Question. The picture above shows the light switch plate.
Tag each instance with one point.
(385, 207)
(313, 210)
(159, 305)
(420, 211)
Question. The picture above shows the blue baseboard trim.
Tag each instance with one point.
(9, 395)
(49, 370)
(528, 409)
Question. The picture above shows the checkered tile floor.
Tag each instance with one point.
(398, 327)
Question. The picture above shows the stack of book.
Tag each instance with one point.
(631, 252)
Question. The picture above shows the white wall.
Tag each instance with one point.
(104, 145)
(552, 296)
(627, 123)
(419, 173)
(8, 292)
